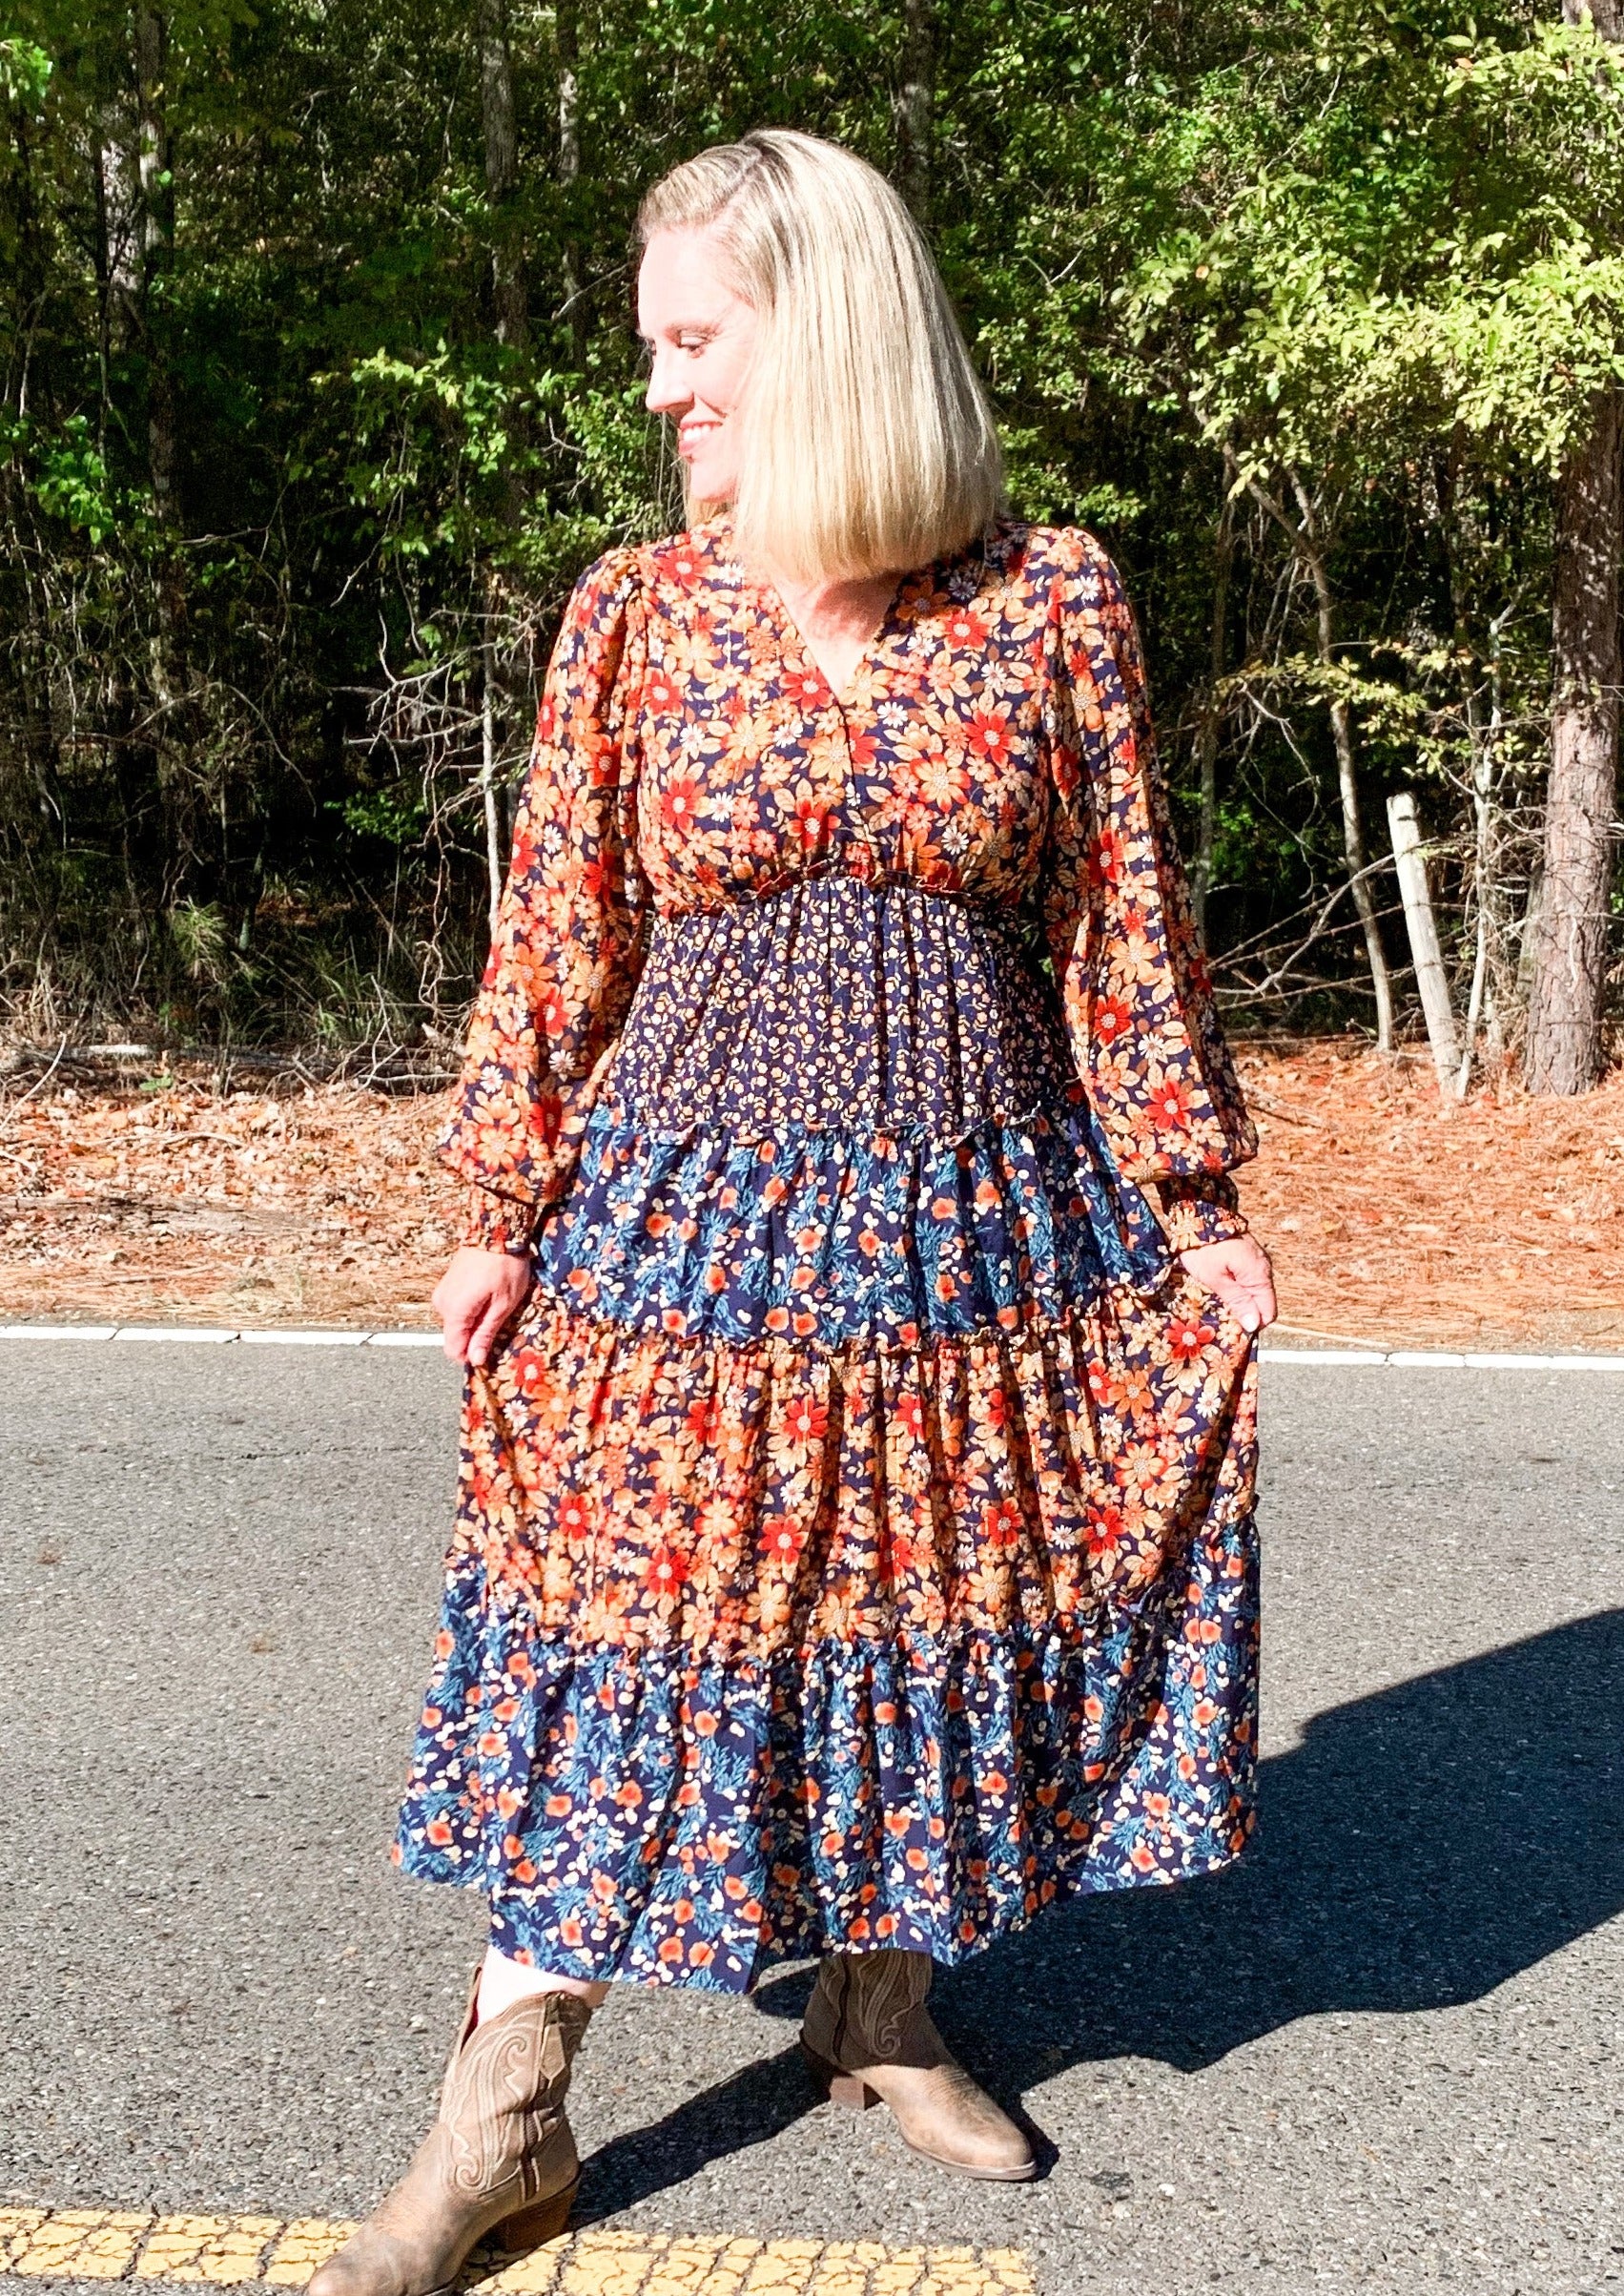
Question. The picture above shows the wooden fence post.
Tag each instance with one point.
(1431, 976)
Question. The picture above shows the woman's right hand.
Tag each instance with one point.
(476, 1300)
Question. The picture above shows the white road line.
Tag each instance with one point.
(58, 1331)
(1441, 1359)
(1320, 1354)
(1323, 1359)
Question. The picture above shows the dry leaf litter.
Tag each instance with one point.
(1497, 1223)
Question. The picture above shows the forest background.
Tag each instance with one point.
(320, 388)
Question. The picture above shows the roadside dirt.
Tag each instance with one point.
(1496, 1223)
(153, 1199)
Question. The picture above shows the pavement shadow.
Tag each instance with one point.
(753, 2105)
(1416, 1850)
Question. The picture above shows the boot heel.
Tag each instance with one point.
(543, 2222)
(840, 2088)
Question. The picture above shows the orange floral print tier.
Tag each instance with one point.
(856, 1538)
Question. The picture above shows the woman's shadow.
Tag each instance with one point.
(1417, 1849)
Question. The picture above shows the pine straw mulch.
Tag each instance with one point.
(159, 1199)
(1497, 1223)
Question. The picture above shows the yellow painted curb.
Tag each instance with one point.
(233, 2251)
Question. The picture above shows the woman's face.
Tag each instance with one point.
(700, 334)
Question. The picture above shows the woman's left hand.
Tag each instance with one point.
(1240, 1275)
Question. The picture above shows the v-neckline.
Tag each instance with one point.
(792, 643)
(795, 642)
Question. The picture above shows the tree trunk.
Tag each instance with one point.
(167, 652)
(490, 795)
(1345, 741)
(1212, 717)
(1570, 954)
(502, 173)
(1353, 848)
(103, 257)
(916, 108)
(33, 660)
(568, 23)
(1489, 961)
(1431, 976)
(1311, 548)
(36, 659)
(1563, 1052)
(508, 298)
(1491, 995)
(157, 181)
(1607, 15)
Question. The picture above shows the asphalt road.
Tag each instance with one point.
(1383, 2050)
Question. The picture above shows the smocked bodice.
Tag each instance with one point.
(836, 1004)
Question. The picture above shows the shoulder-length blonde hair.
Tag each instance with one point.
(867, 444)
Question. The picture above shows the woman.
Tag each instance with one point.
(855, 1549)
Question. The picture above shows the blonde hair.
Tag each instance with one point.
(867, 446)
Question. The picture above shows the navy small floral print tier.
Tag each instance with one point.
(855, 1542)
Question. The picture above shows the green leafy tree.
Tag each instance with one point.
(320, 388)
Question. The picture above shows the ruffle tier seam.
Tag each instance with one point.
(930, 1655)
(999, 913)
(622, 1121)
(1039, 1323)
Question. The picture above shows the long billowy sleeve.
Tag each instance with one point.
(1138, 1006)
(570, 932)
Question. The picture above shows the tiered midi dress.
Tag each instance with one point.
(856, 1541)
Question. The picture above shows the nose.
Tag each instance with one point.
(668, 393)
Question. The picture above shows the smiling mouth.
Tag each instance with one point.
(690, 436)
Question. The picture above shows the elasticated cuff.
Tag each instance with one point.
(498, 1223)
(1199, 1211)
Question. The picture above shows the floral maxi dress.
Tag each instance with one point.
(856, 1540)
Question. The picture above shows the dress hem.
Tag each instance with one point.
(1066, 1888)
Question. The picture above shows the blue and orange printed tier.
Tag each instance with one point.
(855, 1535)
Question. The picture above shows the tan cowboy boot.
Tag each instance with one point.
(500, 2154)
(868, 2040)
